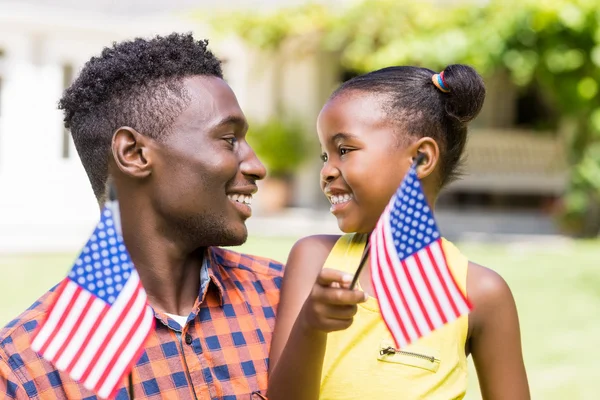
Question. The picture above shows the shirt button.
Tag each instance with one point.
(188, 338)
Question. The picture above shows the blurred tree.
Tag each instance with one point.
(554, 44)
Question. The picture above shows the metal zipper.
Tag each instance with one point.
(390, 350)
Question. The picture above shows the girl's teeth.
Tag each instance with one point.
(341, 199)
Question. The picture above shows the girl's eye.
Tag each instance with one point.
(343, 151)
(324, 157)
(231, 140)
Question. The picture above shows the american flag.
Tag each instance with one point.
(413, 284)
(99, 321)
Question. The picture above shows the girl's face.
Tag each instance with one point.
(364, 159)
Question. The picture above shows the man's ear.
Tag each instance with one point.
(429, 153)
(131, 152)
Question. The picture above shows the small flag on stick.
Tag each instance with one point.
(96, 328)
(409, 271)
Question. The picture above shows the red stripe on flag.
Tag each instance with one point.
(436, 268)
(106, 340)
(387, 234)
(86, 342)
(390, 266)
(432, 294)
(417, 294)
(111, 363)
(61, 321)
(77, 324)
(463, 296)
(138, 354)
(383, 290)
(57, 295)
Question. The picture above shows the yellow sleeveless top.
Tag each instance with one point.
(355, 367)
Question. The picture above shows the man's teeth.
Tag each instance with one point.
(241, 198)
(342, 198)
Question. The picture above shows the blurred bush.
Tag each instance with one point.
(281, 144)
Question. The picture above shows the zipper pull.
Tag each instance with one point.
(387, 351)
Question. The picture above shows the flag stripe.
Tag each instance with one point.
(424, 286)
(88, 338)
(77, 338)
(397, 276)
(438, 272)
(459, 298)
(78, 318)
(132, 351)
(393, 322)
(393, 294)
(107, 329)
(111, 345)
(41, 332)
(434, 279)
(107, 324)
(421, 313)
(63, 306)
(80, 298)
(137, 317)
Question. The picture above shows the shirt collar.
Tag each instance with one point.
(212, 268)
(210, 272)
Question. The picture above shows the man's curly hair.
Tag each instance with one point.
(136, 83)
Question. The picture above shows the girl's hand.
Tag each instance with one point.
(331, 305)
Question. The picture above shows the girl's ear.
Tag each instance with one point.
(428, 151)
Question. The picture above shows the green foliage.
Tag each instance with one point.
(282, 145)
(554, 44)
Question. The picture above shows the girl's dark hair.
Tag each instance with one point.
(421, 109)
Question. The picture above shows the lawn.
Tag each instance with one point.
(557, 289)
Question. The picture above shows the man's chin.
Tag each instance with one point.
(235, 237)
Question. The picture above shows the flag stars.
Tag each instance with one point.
(411, 220)
(104, 265)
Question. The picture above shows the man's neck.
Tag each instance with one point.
(169, 271)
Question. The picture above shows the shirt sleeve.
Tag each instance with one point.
(10, 387)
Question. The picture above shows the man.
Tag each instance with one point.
(158, 118)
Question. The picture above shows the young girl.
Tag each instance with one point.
(330, 341)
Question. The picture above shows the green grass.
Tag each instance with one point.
(556, 287)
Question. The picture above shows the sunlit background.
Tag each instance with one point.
(528, 205)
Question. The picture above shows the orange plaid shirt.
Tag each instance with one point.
(221, 353)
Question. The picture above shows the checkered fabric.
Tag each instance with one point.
(221, 353)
